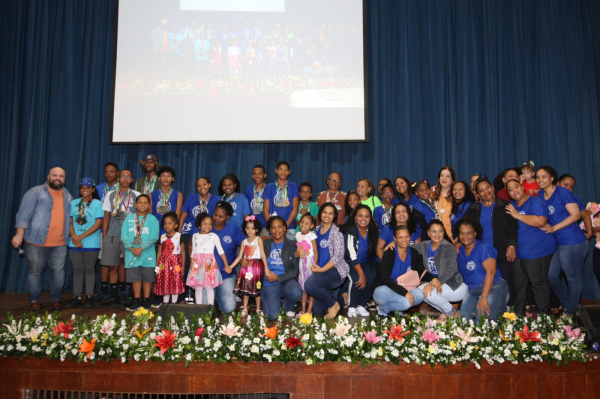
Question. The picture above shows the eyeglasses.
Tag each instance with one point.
(334, 181)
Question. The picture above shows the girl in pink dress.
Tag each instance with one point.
(204, 270)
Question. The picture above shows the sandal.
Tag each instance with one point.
(333, 311)
(244, 312)
(260, 313)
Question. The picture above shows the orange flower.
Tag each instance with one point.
(396, 332)
(177, 269)
(271, 332)
(87, 347)
(165, 342)
(527, 336)
(502, 336)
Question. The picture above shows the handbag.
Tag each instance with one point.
(410, 280)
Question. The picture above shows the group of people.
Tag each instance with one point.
(514, 241)
(255, 49)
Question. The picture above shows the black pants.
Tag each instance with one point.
(596, 263)
(535, 272)
(505, 269)
(361, 297)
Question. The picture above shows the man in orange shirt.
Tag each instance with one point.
(43, 223)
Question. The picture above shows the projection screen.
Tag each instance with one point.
(239, 71)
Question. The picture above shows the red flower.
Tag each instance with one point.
(61, 328)
(199, 332)
(214, 92)
(124, 85)
(165, 342)
(527, 336)
(293, 342)
(396, 332)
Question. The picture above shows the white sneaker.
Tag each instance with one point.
(362, 311)
(351, 312)
(291, 313)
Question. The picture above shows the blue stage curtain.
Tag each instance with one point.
(479, 85)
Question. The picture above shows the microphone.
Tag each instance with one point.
(19, 249)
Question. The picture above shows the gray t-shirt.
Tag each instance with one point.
(128, 207)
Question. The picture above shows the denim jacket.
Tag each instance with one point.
(35, 213)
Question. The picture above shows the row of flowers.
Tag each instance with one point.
(141, 336)
(216, 87)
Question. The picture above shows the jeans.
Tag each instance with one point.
(271, 297)
(569, 259)
(84, 265)
(496, 302)
(390, 301)
(321, 287)
(40, 257)
(225, 296)
(442, 301)
(505, 269)
(361, 297)
(526, 272)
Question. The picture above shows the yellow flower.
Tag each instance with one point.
(431, 349)
(452, 345)
(45, 338)
(562, 349)
(516, 353)
(555, 341)
(379, 352)
(510, 316)
(306, 319)
(544, 353)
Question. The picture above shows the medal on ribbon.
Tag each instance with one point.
(257, 203)
(163, 204)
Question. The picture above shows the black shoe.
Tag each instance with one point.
(89, 303)
(156, 302)
(135, 305)
(100, 298)
(110, 302)
(146, 303)
(74, 303)
(126, 303)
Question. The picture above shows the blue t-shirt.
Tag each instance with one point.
(240, 208)
(231, 238)
(460, 212)
(271, 192)
(100, 190)
(579, 203)
(274, 262)
(92, 213)
(401, 266)
(431, 259)
(425, 210)
(382, 217)
(557, 212)
(471, 267)
(252, 204)
(323, 247)
(533, 242)
(485, 218)
(387, 234)
(363, 248)
(191, 206)
(412, 201)
(172, 204)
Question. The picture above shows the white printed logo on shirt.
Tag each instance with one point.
(431, 264)
(275, 256)
(323, 244)
(471, 265)
(233, 205)
(550, 210)
(227, 240)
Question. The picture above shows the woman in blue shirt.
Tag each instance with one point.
(404, 191)
(462, 198)
(487, 291)
(403, 216)
(563, 215)
(361, 245)
(229, 190)
(535, 248)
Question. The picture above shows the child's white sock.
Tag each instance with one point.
(199, 295)
(174, 298)
(210, 296)
(166, 298)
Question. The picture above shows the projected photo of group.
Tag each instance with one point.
(239, 71)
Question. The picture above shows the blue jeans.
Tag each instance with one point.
(496, 302)
(271, 297)
(360, 297)
(390, 301)
(225, 296)
(321, 286)
(569, 259)
(40, 257)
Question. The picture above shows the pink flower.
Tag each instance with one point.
(465, 336)
(572, 333)
(230, 330)
(371, 337)
(199, 332)
(430, 323)
(430, 336)
(341, 329)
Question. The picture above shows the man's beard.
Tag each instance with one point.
(55, 185)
